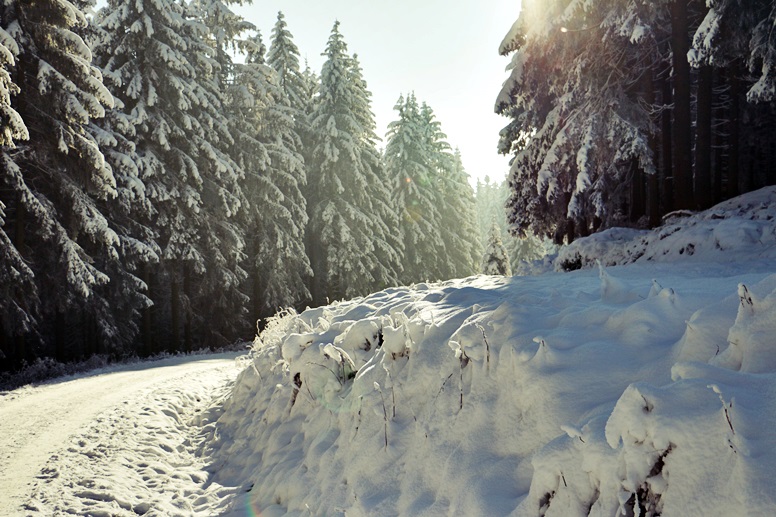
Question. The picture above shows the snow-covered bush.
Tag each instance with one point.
(647, 389)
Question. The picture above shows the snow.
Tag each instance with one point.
(107, 442)
(643, 383)
(645, 388)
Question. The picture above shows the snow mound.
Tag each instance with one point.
(638, 390)
(738, 229)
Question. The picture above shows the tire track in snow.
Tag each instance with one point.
(37, 424)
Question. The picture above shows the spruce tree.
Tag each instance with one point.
(215, 292)
(283, 56)
(386, 265)
(496, 260)
(267, 148)
(340, 231)
(459, 219)
(171, 97)
(580, 127)
(18, 292)
(411, 168)
(55, 179)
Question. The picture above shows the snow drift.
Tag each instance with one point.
(644, 389)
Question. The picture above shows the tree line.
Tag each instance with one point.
(622, 111)
(157, 194)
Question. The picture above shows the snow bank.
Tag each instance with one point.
(738, 229)
(643, 389)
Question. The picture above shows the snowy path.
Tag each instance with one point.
(60, 443)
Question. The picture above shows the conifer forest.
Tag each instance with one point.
(169, 176)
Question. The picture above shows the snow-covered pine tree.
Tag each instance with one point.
(266, 147)
(217, 309)
(171, 98)
(459, 219)
(18, 293)
(735, 40)
(311, 83)
(490, 198)
(299, 87)
(53, 179)
(339, 233)
(415, 193)
(496, 260)
(224, 29)
(386, 235)
(580, 127)
(734, 30)
(138, 249)
(283, 56)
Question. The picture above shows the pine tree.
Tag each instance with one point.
(386, 266)
(734, 30)
(172, 99)
(283, 56)
(412, 169)
(18, 292)
(267, 147)
(496, 260)
(216, 293)
(580, 129)
(339, 234)
(459, 220)
(55, 179)
(490, 198)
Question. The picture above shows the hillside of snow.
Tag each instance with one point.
(640, 389)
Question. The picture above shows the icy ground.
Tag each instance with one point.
(126, 441)
(642, 389)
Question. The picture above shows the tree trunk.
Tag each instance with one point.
(667, 163)
(187, 292)
(733, 179)
(652, 202)
(20, 342)
(703, 121)
(637, 194)
(682, 126)
(148, 317)
(175, 307)
(59, 336)
(256, 302)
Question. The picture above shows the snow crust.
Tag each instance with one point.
(642, 389)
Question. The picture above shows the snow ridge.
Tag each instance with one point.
(552, 395)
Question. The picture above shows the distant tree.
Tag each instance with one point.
(496, 260)
(490, 199)
(459, 219)
(412, 169)
(267, 147)
(339, 234)
(386, 235)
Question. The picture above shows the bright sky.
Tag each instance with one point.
(446, 52)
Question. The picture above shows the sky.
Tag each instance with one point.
(446, 52)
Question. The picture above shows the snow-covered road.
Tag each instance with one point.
(60, 443)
